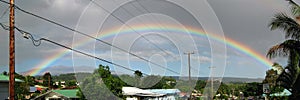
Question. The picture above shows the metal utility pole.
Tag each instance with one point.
(189, 63)
(212, 82)
(12, 51)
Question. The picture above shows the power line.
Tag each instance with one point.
(153, 17)
(129, 25)
(66, 27)
(84, 34)
(135, 32)
(37, 42)
(4, 1)
(140, 21)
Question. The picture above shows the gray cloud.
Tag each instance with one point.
(242, 20)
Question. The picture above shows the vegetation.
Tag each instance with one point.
(47, 80)
(271, 77)
(290, 48)
(103, 85)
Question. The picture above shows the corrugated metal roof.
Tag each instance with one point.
(165, 91)
(139, 92)
(67, 93)
(4, 78)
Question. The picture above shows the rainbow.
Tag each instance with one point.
(154, 28)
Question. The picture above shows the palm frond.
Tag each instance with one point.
(287, 24)
(283, 49)
(277, 50)
(292, 2)
(295, 10)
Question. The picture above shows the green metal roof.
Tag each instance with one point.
(4, 78)
(67, 93)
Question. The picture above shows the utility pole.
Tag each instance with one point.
(12, 51)
(189, 65)
(212, 82)
(49, 81)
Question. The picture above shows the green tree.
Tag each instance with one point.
(253, 89)
(72, 83)
(223, 91)
(80, 94)
(165, 83)
(200, 85)
(138, 75)
(4, 73)
(150, 81)
(47, 80)
(271, 77)
(93, 88)
(22, 88)
(102, 85)
(290, 48)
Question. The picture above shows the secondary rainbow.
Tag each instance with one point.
(155, 28)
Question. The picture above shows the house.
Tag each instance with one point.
(59, 95)
(169, 94)
(133, 93)
(61, 83)
(4, 85)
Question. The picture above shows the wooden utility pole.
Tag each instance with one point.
(49, 81)
(12, 51)
(189, 65)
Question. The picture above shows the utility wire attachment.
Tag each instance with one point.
(27, 35)
(37, 42)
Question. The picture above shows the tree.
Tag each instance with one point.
(47, 80)
(165, 83)
(22, 88)
(290, 48)
(272, 76)
(138, 73)
(102, 85)
(223, 91)
(4, 73)
(200, 85)
(93, 88)
(253, 89)
(80, 95)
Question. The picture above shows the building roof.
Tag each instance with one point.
(133, 91)
(285, 92)
(165, 91)
(67, 93)
(32, 89)
(4, 78)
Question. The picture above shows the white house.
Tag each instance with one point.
(133, 93)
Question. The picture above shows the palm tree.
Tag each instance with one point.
(290, 48)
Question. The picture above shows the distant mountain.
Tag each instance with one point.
(81, 75)
(226, 79)
(57, 70)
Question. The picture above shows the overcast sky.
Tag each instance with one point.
(245, 21)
